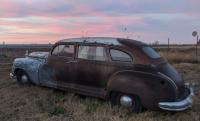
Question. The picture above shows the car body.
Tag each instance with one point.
(104, 66)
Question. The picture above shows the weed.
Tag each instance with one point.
(57, 110)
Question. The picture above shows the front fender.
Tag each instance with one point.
(150, 88)
(30, 66)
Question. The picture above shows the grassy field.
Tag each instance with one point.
(180, 55)
(33, 103)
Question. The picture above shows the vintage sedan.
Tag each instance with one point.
(127, 72)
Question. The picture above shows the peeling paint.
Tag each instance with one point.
(39, 54)
(100, 40)
(30, 66)
(36, 68)
(46, 75)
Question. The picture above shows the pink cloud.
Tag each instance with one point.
(64, 19)
(106, 26)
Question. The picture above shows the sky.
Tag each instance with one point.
(47, 21)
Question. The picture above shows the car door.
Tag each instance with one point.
(119, 60)
(61, 61)
(91, 67)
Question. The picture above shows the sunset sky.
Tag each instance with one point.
(46, 21)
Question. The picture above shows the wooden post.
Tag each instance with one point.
(197, 48)
(3, 50)
(168, 44)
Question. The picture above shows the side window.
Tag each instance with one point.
(91, 53)
(117, 55)
(64, 50)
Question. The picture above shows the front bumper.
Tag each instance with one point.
(12, 76)
(178, 105)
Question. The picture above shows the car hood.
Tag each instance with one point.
(39, 54)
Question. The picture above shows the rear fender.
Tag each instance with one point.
(148, 87)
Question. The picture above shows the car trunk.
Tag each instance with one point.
(168, 70)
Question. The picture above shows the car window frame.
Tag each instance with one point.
(122, 50)
(63, 55)
(105, 51)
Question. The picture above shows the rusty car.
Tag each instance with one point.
(127, 72)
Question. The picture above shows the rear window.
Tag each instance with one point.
(151, 52)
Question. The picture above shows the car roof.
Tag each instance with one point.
(104, 41)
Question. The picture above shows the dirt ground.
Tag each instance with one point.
(34, 103)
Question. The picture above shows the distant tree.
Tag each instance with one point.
(155, 43)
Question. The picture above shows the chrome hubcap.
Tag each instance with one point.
(126, 101)
(24, 78)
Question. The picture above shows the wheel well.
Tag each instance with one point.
(17, 70)
(113, 91)
(128, 94)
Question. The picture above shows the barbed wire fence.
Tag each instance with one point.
(196, 47)
(3, 49)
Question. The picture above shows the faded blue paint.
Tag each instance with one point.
(36, 68)
(30, 66)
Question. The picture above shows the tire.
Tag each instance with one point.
(135, 107)
(22, 78)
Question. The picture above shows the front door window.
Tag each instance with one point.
(64, 50)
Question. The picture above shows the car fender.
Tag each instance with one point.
(148, 87)
(30, 66)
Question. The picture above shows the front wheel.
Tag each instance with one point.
(22, 78)
(132, 102)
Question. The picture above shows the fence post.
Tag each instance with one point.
(3, 50)
(197, 49)
(168, 46)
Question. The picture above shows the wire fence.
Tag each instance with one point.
(183, 52)
(20, 50)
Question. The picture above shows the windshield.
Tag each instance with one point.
(151, 52)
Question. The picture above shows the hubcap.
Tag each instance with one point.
(24, 78)
(126, 101)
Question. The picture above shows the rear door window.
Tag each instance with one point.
(118, 55)
(92, 53)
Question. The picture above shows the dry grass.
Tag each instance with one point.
(179, 55)
(33, 103)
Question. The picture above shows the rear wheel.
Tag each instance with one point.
(22, 78)
(131, 102)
